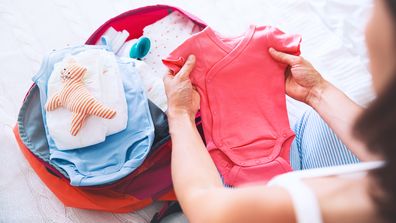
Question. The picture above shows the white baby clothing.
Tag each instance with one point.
(153, 85)
(165, 35)
(126, 48)
(114, 39)
(104, 82)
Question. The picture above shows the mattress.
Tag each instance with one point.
(333, 41)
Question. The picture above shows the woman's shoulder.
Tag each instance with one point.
(343, 199)
(325, 194)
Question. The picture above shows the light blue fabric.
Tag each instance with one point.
(120, 153)
(316, 145)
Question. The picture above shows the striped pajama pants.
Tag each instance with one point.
(316, 145)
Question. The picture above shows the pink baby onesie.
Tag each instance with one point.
(243, 103)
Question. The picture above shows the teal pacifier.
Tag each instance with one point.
(140, 48)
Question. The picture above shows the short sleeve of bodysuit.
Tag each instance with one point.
(283, 42)
(175, 60)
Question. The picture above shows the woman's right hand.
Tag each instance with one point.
(303, 82)
(182, 96)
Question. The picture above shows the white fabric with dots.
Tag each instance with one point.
(166, 35)
(153, 85)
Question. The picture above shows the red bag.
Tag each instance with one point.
(151, 181)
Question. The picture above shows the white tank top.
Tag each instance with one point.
(305, 202)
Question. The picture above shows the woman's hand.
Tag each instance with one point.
(182, 97)
(303, 82)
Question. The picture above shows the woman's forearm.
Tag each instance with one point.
(340, 113)
(192, 166)
(201, 193)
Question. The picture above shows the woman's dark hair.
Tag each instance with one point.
(376, 127)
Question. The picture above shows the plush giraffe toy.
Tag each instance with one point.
(76, 98)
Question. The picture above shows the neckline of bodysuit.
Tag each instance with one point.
(217, 38)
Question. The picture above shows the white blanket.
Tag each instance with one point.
(333, 41)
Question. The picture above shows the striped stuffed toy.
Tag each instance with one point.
(76, 98)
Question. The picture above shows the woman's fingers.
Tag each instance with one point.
(284, 57)
(188, 66)
(183, 74)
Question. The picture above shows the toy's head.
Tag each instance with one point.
(72, 71)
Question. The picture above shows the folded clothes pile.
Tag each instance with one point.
(104, 149)
(95, 100)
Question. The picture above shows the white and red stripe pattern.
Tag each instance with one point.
(75, 97)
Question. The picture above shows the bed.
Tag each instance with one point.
(333, 40)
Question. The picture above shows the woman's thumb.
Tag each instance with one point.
(187, 68)
(283, 57)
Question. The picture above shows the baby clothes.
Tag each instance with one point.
(120, 153)
(114, 39)
(125, 50)
(103, 81)
(153, 85)
(243, 104)
(165, 35)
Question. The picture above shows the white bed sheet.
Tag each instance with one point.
(333, 41)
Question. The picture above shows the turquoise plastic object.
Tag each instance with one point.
(140, 48)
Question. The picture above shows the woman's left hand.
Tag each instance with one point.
(182, 97)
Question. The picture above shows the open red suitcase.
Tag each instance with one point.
(151, 181)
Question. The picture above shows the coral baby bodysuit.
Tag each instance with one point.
(243, 103)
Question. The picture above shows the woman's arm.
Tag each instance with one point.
(340, 113)
(191, 163)
(201, 193)
(305, 84)
(196, 180)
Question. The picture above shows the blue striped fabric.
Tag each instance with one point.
(316, 145)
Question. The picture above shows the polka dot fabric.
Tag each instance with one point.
(166, 35)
